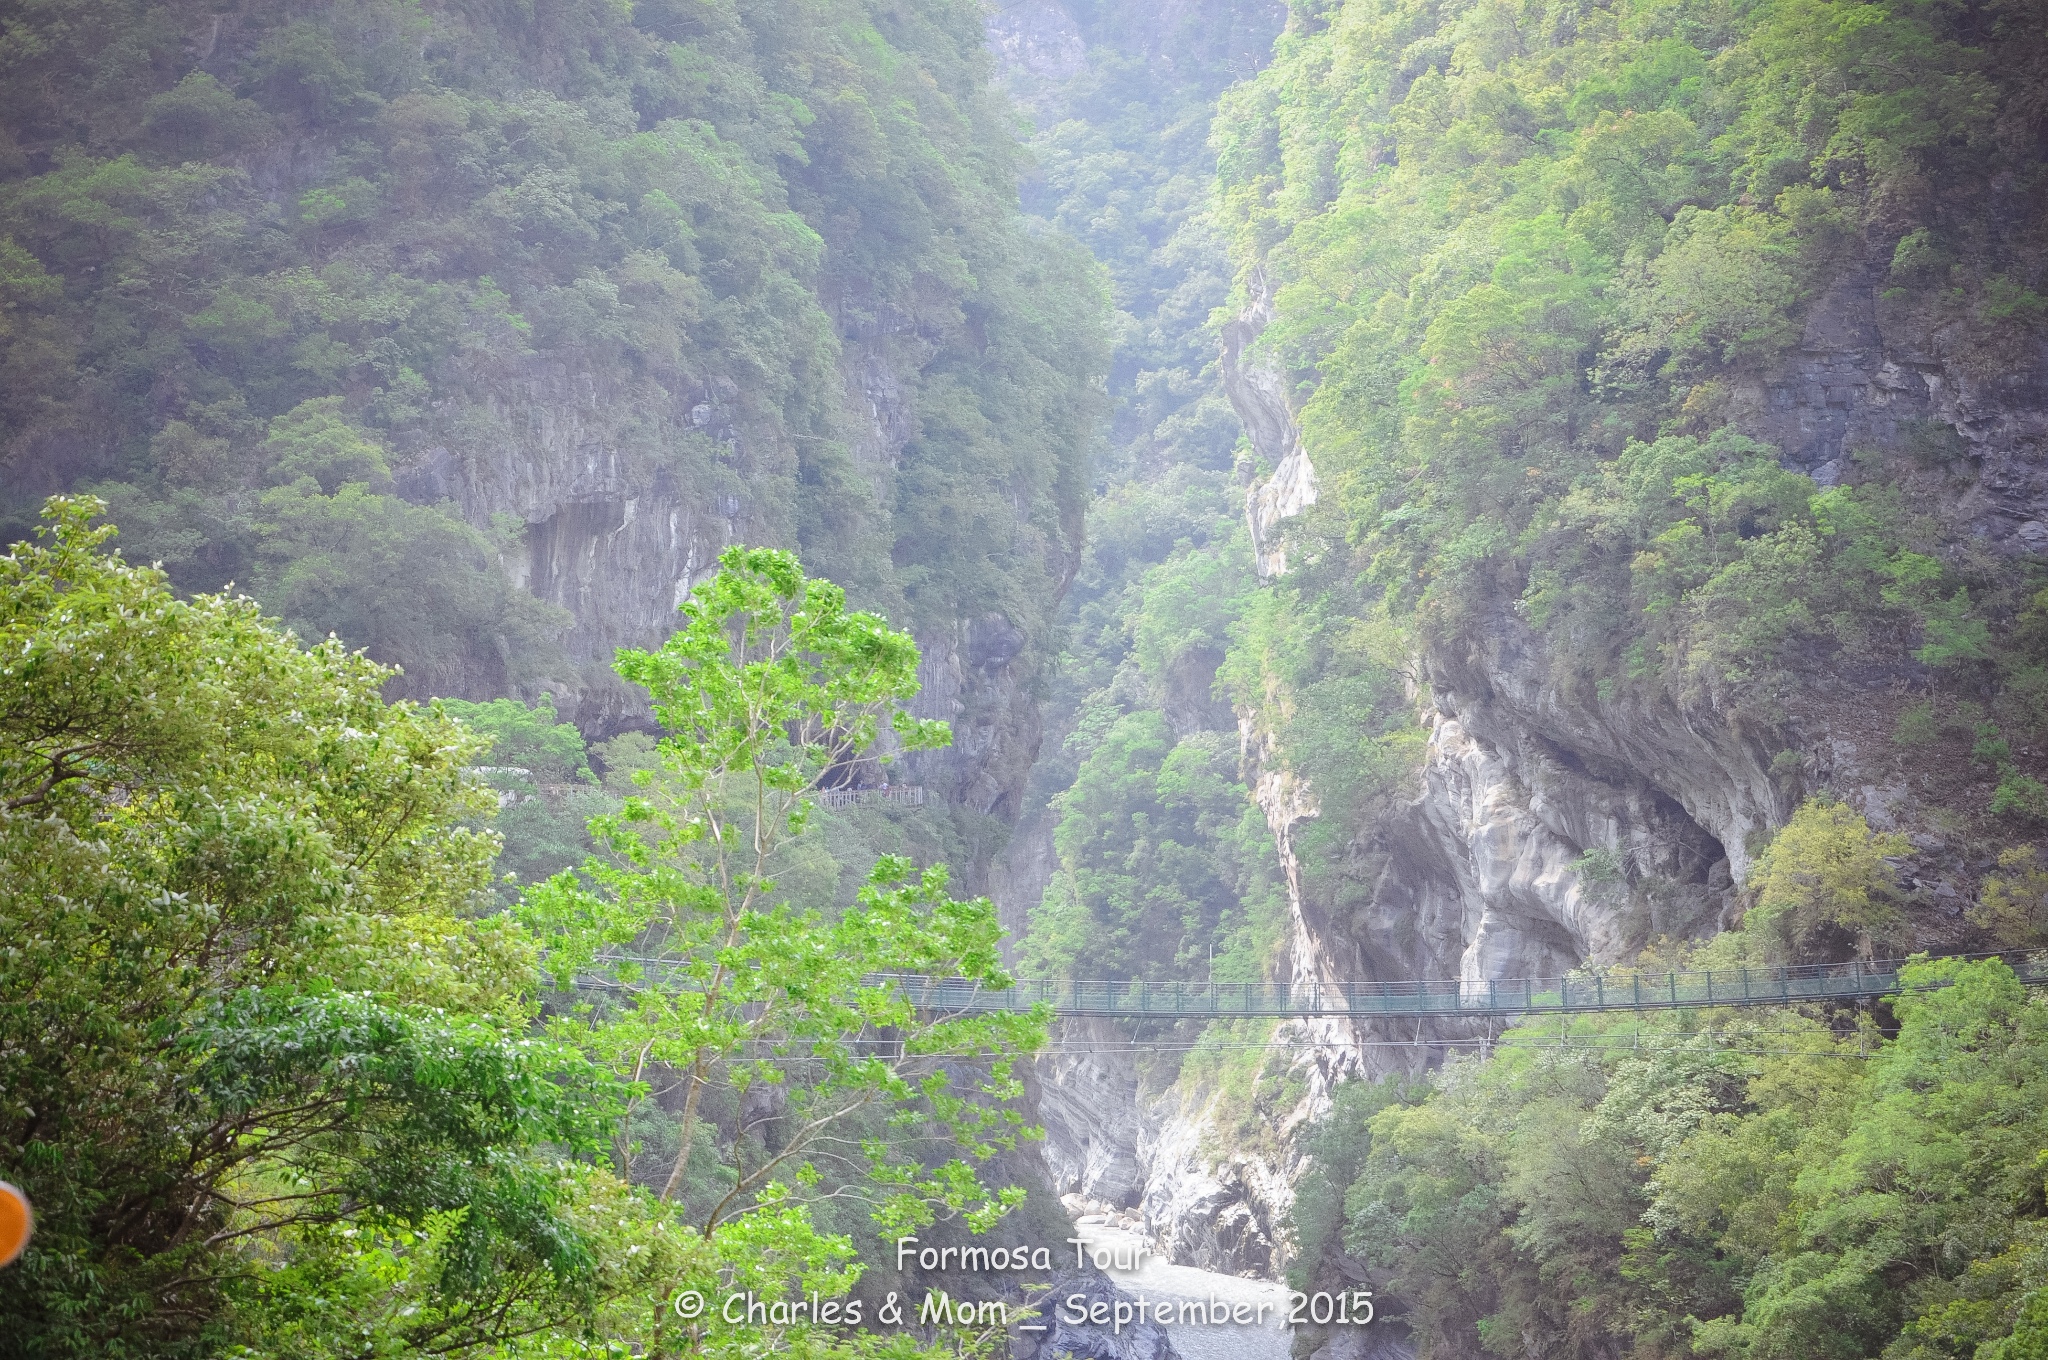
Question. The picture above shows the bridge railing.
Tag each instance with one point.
(1578, 992)
(1607, 990)
(909, 795)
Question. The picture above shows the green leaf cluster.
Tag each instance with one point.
(1729, 1184)
(248, 1001)
(783, 1034)
(1164, 868)
(527, 738)
(1826, 869)
(281, 1081)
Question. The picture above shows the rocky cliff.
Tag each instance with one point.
(616, 530)
(545, 308)
(1550, 828)
(1566, 810)
(1484, 873)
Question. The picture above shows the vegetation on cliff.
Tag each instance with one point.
(1741, 1184)
(271, 277)
(1519, 269)
(1534, 276)
(1164, 868)
(1530, 270)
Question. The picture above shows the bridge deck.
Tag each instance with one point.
(1613, 991)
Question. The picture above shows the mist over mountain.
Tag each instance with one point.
(1371, 491)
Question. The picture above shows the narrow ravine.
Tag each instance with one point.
(1137, 731)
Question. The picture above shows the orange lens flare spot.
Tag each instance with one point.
(16, 1222)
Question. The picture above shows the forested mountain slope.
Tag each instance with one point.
(1646, 408)
(1122, 164)
(471, 333)
(1653, 400)
(1565, 487)
(1139, 854)
(1676, 384)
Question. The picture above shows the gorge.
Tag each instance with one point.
(1575, 794)
(1380, 489)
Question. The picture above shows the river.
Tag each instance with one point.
(1153, 1278)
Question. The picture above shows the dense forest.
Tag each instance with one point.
(1534, 269)
(1366, 489)
(308, 298)
(281, 1078)
(1163, 867)
(305, 293)
(1774, 1184)
(1551, 286)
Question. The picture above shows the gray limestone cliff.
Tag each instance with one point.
(1485, 872)
(625, 491)
(1258, 393)
(1114, 1144)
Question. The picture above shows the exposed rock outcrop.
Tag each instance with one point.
(1870, 372)
(614, 529)
(1091, 1108)
(1109, 1145)
(1553, 829)
(627, 493)
(1020, 875)
(1037, 47)
(1207, 1206)
(975, 677)
(1258, 393)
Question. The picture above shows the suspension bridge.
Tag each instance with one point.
(1577, 993)
(1449, 999)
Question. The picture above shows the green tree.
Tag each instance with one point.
(274, 1074)
(527, 737)
(547, 792)
(250, 1011)
(1826, 869)
(1929, 1175)
(1742, 1183)
(2013, 907)
(723, 995)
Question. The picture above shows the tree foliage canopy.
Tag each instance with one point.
(1536, 277)
(1742, 1185)
(248, 1001)
(276, 1072)
(725, 993)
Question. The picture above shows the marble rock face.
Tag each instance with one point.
(580, 472)
(1551, 829)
